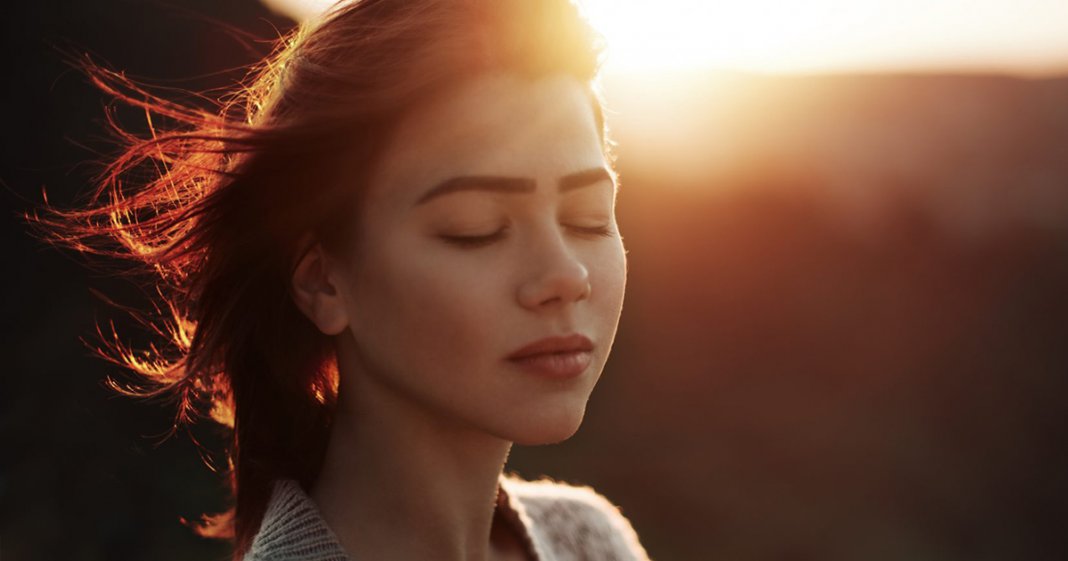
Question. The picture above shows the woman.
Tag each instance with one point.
(390, 257)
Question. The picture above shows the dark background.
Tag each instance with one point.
(844, 334)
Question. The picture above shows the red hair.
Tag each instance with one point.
(219, 206)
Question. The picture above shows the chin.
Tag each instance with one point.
(546, 427)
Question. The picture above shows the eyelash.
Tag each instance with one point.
(479, 241)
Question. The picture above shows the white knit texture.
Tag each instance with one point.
(569, 523)
(559, 521)
(292, 529)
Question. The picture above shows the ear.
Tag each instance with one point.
(316, 291)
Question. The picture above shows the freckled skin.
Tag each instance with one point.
(431, 322)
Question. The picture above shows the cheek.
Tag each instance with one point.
(609, 280)
(432, 313)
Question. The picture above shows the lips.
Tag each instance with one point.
(560, 358)
(570, 344)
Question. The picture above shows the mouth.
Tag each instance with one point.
(555, 357)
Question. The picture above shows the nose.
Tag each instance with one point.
(557, 276)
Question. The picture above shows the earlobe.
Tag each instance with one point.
(315, 292)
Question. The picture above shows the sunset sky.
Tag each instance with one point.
(1027, 37)
(1023, 36)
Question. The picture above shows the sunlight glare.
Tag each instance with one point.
(778, 36)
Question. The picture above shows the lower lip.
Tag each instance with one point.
(557, 365)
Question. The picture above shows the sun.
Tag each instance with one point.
(788, 36)
(679, 34)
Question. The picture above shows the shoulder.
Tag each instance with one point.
(574, 521)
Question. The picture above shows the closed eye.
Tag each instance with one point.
(480, 241)
(599, 231)
(474, 241)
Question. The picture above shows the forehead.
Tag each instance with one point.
(491, 125)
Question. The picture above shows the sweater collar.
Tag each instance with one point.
(293, 528)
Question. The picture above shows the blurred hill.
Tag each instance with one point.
(845, 328)
(978, 152)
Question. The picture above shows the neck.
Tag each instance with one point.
(398, 482)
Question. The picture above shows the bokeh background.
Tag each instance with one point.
(846, 319)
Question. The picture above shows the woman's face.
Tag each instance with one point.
(433, 316)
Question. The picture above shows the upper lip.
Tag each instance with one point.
(568, 343)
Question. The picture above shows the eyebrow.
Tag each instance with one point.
(501, 184)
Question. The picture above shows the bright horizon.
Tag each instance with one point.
(788, 37)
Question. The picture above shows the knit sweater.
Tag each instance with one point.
(557, 521)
